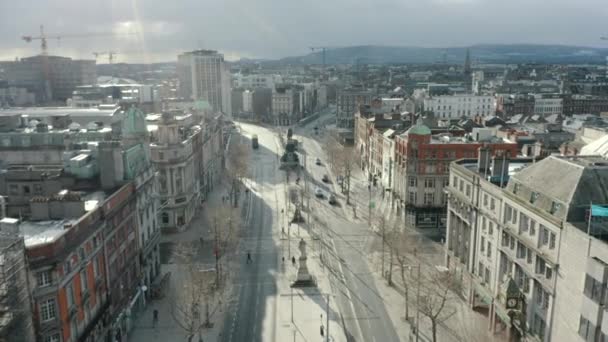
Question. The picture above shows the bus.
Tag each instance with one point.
(254, 141)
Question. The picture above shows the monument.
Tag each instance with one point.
(304, 279)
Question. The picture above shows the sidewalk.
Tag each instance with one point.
(167, 329)
(307, 306)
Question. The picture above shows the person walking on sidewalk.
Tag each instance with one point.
(249, 260)
(154, 318)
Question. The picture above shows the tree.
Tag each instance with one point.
(239, 156)
(435, 302)
(225, 222)
(342, 161)
(195, 297)
(403, 245)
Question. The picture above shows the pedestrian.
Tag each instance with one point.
(154, 318)
(293, 260)
(249, 260)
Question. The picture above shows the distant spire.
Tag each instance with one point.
(467, 63)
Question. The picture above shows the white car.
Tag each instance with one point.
(319, 192)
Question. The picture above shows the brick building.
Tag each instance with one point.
(422, 170)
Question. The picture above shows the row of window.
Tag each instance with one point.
(527, 254)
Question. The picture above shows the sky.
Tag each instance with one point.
(158, 30)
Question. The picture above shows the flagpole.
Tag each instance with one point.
(589, 228)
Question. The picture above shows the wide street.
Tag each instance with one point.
(252, 315)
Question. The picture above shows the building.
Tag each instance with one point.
(126, 94)
(513, 231)
(16, 317)
(348, 101)
(548, 104)
(509, 105)
(422, 171)
(173, 154)
(13, 96)
(203, 75)
(584, 104)
(460, 105)
(237, 100)
(284, 103)
(261, 103)
(255, 81)
(50, 78)
(247, 101)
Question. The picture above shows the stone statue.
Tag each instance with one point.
(304, 279)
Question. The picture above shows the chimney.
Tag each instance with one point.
(500, 167)
(483, 158)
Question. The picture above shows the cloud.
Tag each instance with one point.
(149, 30)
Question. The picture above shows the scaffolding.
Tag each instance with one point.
(16, 322)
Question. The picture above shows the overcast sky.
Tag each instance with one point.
(160, 29)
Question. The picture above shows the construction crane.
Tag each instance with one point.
(110, 55)
(43, 38)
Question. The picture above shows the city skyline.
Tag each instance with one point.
(157, 31)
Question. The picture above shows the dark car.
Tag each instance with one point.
(325, 179)
(332, 199)
(318, 161)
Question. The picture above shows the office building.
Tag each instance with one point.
(460, 105)
(348, 102)
(203, 75)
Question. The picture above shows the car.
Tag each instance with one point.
(325, 179)
(318, 161)
(332, 199)
(319, 193)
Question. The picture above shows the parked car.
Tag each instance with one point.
(318, 161)
(319, 193)
(325, 179)
(332, 199)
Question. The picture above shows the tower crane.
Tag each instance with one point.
(43, 38)
(110, 55)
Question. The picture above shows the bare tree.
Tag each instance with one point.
(239, 156)
(403, 246)
(342, 160)
(225, 222)
(435, 303)
(195, 297)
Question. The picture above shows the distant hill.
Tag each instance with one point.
(512, 53)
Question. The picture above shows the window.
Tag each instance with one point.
(69, 294)
(468, 190)
(532, 227)
(83, 281)
(412, 197)
(483, 244)
(44, 278)
(429, 199)
(412, 181)
(552, 241)
(586, 329)
(544, 235)
(47, 310)
(492, 204)
(485, 200)
(490, 228)
(455, 181)
(529, 257)
(554, 207)
(533, 197)
(480, 269)
(165, 218)
(429, 183)
(52, 338)
(540, 265)
(515, 188)
(461, 187)
(593, 289)
(489, 249)
(505, 239)
(95, 268)
(508, 213)
(487, 276)
(521, 250)
(523, 223)
(13, 189)
(161, 156)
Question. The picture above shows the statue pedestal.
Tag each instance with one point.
(304, 279)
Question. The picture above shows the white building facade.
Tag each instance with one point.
(461, 105)
(247, 101)
(203, 75)
(546, 106)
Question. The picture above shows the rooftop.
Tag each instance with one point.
(43, 232)
(58, 111)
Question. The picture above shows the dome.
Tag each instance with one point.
(419, 129)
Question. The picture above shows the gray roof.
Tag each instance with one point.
(573, 182)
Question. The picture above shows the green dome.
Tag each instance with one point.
(419, 129)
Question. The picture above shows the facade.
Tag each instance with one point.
(546, 105)
(348, 101)
(91, 96)
(11, 96)
(203, 75)
(261, 103)
(172, 154)
(255, 81)
(509, 105)
(285, 102)
(422, 171)
(580, 104)
(514, 229)
(50, 78)
(247, 101)
(461, 105)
